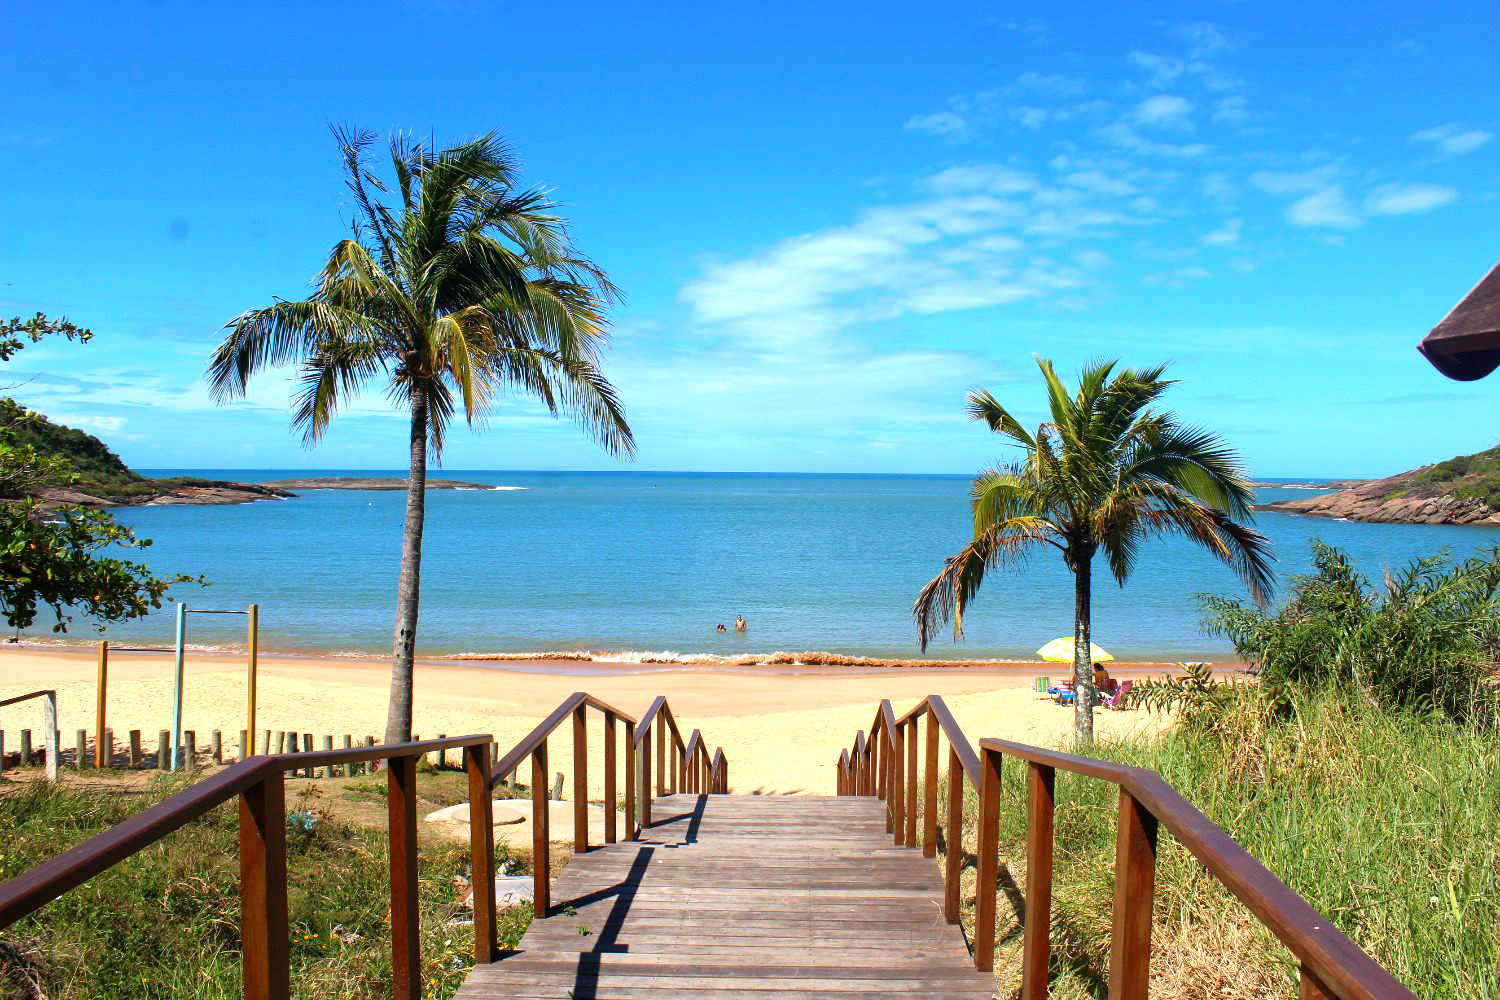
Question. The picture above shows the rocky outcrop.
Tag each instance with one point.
(1395, 500)
(203, 494)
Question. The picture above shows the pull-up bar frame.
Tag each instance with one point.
(252, 615)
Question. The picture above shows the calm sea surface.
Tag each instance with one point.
(653, 561)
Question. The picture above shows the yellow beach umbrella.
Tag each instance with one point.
(1061, 651)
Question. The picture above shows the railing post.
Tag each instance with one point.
(580, 780)
(661, 756)
(930, 790)
(1036, 949)
(1311, 987)
(882, 767)
(541, 857)
(263, 920)
(401, 810)
(610, 805)
(1135, 884)
(481, 851)
(911, 782)
(898, 785)
(643, 761)
(954, 832)
(632, 832)
(988, 850)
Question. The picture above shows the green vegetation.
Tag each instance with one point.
(1383, 819)
(60, 559)
(1429, 637)
(165, 923)
(1467, 477)
(461, 288)
(1104, 474)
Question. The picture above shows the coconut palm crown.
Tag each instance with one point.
(1104, 474)
(455, 288)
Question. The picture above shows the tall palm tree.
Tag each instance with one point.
(1104, 473)
(461, 287)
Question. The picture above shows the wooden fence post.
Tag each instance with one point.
(99, 759)
(190, 749)
(953, 831)
(245, 747)
(642, 763)
(401, 811)
(912, 780)
(631, 832)
(930, 790)
(988, 850)
(610, 805)
(1135, 886)
(163, 749)
(580, 780)
(216, 746)
(1036, 948)
(898, 785)
(25, 748)
(541, 858)
(135, 749)
(476, 761)
(263, 909)
(81, 752)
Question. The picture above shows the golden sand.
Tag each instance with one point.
(781, 728)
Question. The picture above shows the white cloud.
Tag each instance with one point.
(1325, 207)
(1226, 235)
(103, 425)
(941, 123)
(1294, 182)
(1163, 111)
(1453, 139)
(1123, 135)
(1408, 199)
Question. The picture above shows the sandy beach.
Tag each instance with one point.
(781, 728)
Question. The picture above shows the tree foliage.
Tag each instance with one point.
(1427, 636)
(65, 559)
(1105, 473)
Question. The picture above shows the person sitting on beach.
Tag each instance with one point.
(739, 623)
(722, 628)
(1102, 680)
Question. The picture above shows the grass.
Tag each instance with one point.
(1385, 821)
(165, 923)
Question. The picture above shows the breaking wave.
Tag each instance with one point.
(811, 658)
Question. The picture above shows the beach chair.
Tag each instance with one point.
(1116, 699)
(1063, 694)
(1042, 686)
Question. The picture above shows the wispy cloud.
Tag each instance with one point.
(1408, 199)
(1453, 139)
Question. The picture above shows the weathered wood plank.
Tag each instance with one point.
(744, 897)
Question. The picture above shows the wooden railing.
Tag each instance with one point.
(259, 784)
(884, 764)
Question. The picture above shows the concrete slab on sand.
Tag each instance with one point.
(513, 821)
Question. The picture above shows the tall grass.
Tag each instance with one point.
(166, 922)
(1387, 821)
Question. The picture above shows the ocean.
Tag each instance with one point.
(639, 564)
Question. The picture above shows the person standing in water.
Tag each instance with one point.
(739, 623)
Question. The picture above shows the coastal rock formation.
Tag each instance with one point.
(1459, 491)
(370, 483)
(198, 493)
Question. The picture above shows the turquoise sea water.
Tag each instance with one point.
(651, 562)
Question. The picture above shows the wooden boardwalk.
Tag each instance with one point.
(729, 896)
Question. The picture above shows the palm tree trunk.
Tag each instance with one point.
(408, 593)
(1083, 664)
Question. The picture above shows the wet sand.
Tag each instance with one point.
(781, 727)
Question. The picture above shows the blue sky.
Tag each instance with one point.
(830, 220)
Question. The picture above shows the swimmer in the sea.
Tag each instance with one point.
(739, 623)
(722, 628)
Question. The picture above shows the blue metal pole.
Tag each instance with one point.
(177, 697)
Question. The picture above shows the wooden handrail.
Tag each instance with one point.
(1330, 964)
(259, 782)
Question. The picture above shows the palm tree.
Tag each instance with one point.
(461, 287)
(1105, 472)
